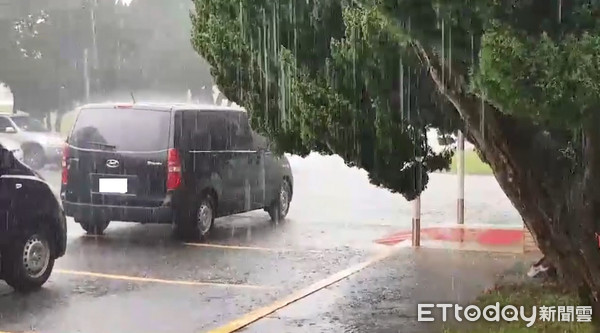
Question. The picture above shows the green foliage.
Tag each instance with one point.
(526, 294)
(318, 76)
(554, 82)
(473, 164)
(343, 77)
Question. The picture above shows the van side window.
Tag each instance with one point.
(216, 131)
(240, 130)
(207, 131)
(213, 131)
(260, 142)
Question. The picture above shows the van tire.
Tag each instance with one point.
(14, 266)
(198, 223)
(278, 210)
(182, 227)
(95, 228)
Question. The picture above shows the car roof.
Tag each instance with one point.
(163, 106)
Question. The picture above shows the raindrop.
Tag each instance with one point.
(482, 112)
(559, 11)
(472, 50)
(266, 64)
(450, 52)
(443, 56)
(409, 95)
(401, 90)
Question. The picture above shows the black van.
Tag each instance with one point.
(180, 164)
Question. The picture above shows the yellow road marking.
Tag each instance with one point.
(230, 247)
(260, 313)
(143, 279)
(254, 248)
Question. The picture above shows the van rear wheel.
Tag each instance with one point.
(198, 223)
(94, 227)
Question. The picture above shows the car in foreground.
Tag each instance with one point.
(179, 164)
(33, 231)
(40, 146)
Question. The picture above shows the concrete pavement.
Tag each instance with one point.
(382, 298)
(136, 278)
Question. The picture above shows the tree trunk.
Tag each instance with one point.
(58, 121)
(49, 120)
(557, 197)
(14, 108)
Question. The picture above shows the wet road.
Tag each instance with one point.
(136, 278)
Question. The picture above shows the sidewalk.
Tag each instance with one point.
(383, 297)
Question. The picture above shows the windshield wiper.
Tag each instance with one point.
(103, 145)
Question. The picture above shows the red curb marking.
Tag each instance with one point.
(501, 237)
(497, 237)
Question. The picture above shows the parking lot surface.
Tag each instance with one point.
(137, 278)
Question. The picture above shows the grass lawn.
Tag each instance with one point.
(5, 108)
(67, 122)
(473, 164)
(527, 295)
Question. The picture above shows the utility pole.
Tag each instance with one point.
(460, 170)
(416, 222)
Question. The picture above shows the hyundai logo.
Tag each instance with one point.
(112, 163)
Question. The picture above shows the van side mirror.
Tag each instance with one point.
(10, 129)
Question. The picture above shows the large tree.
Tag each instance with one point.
(366, 79)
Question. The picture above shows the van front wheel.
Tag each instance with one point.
(281, 205)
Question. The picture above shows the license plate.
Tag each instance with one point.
(112, 185)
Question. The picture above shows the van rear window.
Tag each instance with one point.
(121, 129)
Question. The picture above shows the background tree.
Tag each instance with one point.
(167, 62)
(143, 47)
(366, 79)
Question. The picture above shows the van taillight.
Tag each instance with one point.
(173, 170)
(65, 169)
